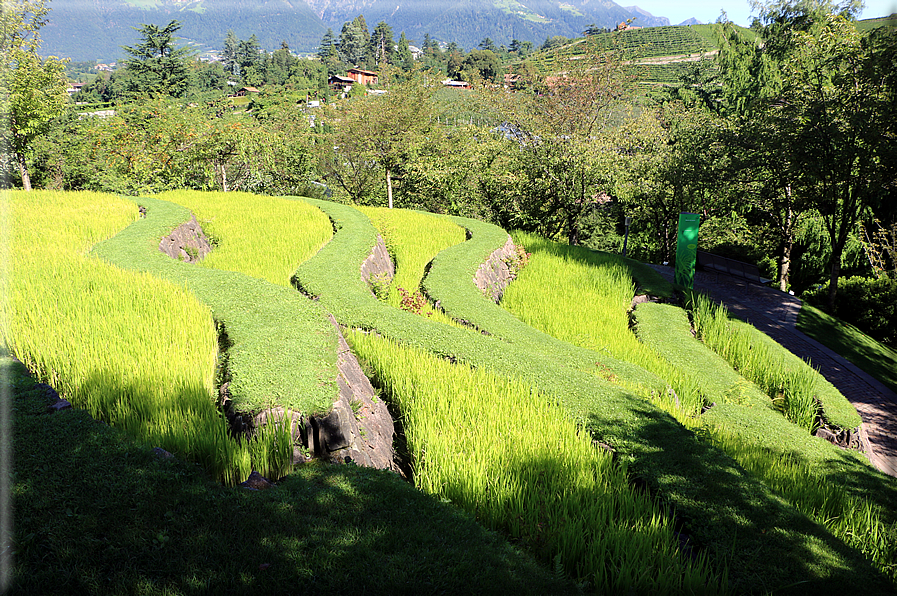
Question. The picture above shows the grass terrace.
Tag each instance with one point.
(261, 236)
(873, 357)
(101, 515)
(578, 454)
(129, 348)
(728, 513)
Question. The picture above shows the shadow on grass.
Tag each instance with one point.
(770, 547)
(97, 513)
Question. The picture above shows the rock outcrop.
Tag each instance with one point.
(378, 269)
(498, 271)
(358, 429)
(187, 242)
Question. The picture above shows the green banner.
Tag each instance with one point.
(687, 249)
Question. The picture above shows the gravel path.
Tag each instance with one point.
(775, 313)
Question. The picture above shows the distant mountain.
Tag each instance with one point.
(467, 22)
(691, 21)
(96, 29)
(661, 21)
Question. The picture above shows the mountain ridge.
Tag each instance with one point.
(88, 30)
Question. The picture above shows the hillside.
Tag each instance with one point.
(96, 30)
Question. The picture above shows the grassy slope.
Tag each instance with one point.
(264, 237)
(270, 363)
(723, 507)
(851, 343)
(100, 515)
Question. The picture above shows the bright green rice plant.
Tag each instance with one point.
(584, 297)
(515, 459)
(856, 520)
(793, 385)
(413, 239)
(261, 236)
(131, 349)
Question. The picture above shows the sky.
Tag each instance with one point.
(738, 11)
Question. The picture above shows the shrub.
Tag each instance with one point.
(868, 304)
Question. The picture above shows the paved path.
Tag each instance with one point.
(775, 313)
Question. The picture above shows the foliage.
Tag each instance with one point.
(868, 304)
(32, 89)
(562, 161)
(377, 132)
(157, 67)
(164, 144)
(827, 91)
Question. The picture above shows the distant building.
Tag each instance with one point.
(338, 83)
(245, 90)
(365, 77)
(455, 84)
(74, 88)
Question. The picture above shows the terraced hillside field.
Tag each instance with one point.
(610, 440)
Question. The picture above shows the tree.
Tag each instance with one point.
(32, 89)
(279, 65)
(157, 67)
(403, 58)
(353, 41)
(229, 55)
(481, 64)
(251, 59)
(564, 165)
(378, 131)
(381, 46)
(814, 106)
(487, 44)
(329, 55)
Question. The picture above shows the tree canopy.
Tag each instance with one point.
(157, 67)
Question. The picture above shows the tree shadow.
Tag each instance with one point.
(769, 545)
(96, 512)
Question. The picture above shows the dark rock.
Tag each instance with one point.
(161, 453)
(824, 433)
(257, 482)
(59, 405)
(330, 428)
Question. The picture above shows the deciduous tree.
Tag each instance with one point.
(32, 89)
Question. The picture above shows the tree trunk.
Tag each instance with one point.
(833, 278)
(223, 178)
(389, 187)
(23, 170)
(788, 245)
